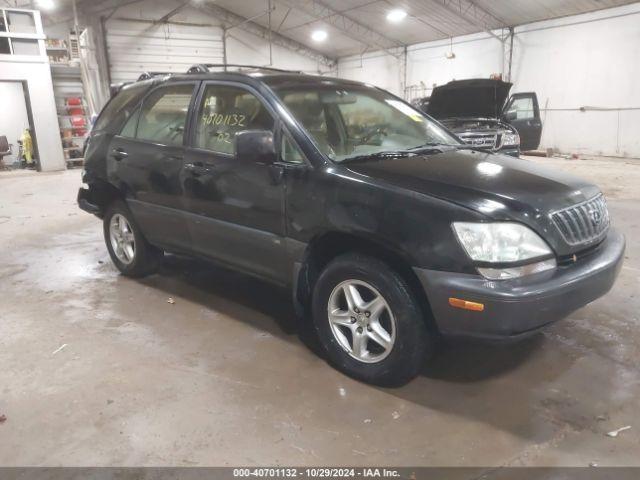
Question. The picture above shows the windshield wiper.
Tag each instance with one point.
(434, 144)
(379, 155)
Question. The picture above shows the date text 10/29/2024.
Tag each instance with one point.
(284, 472)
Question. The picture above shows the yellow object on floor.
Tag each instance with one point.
(27, 146)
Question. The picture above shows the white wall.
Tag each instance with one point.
(190, 37)
(243, 47)
(43, 108)
(587, 60)
(15, 121)
(583, 60)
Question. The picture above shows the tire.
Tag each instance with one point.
(142, 258)
(409, 343)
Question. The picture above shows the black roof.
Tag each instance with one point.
(273, 77)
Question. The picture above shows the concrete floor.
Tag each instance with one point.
(98, 369)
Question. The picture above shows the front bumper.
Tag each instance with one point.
(521, 306)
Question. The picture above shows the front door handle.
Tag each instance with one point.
(119, 153)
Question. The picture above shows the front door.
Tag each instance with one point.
(146, 160)
(523, 113)
(237, 206)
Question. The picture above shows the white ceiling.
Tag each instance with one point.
(427, 19)
(356, 26)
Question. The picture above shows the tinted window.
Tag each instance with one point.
(164, 114)
(290, 151)
(129, 129)
(225, 111)
(355, 121)
(119, 108)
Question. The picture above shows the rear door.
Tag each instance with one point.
(146, 160)
(523, 113)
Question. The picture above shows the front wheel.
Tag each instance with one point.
(129, 250)
(369, 322)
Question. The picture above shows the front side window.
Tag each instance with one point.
(521, 108)
(164, 114)
(356, 121)
(290, 152)
(225, 111)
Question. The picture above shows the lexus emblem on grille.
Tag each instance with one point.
(596, 217)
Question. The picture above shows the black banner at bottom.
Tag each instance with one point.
(305, 473)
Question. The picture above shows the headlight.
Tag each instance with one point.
(511, 139)
(515, 272)
(504, 243)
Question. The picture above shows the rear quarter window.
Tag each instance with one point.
(120, 107)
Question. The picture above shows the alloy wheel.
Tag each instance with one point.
(361, 321)
(122, 239)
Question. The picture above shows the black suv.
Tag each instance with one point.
(388, 230)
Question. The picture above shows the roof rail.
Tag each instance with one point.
(206, 67)
(148, 75)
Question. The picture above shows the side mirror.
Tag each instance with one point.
(511, 115)
(255, 146)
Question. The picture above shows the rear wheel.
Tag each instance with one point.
(129, 250)
(369, 322)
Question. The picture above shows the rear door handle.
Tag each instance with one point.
(118, 154)
(199, 168)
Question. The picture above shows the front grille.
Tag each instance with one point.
(480, 140)
(583, 223)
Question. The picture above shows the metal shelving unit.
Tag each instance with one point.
(72, 110)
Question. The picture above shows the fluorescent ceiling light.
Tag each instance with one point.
(396, 15)
(319, 36)
(45, 4)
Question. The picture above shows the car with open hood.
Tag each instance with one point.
(482, 114)
(387, 229)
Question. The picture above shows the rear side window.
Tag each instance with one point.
(164, 114)
(129, 129)
(118, 110)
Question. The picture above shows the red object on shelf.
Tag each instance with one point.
(76, 111)
(78, 122)
(74, 101)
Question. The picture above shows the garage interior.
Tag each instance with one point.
(201, 366)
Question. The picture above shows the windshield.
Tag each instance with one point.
(360, 121)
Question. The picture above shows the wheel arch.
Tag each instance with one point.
(104, 194)
(325, 247)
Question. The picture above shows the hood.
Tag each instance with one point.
(497, 186)
(469, 98)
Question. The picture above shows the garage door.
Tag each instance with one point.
(136, 47)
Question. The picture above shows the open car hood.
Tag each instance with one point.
(478, 97)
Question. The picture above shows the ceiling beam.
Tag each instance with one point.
(230, 19)
(346, 25)
(474, 15)
(342, 12)
(173, 12)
